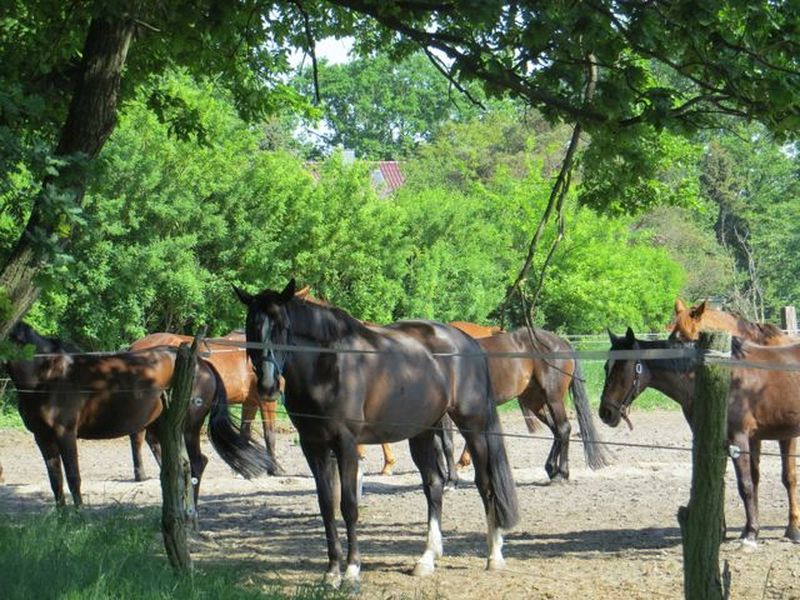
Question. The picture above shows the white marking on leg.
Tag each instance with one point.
(494, 539)
(352, 573)
(433, 550)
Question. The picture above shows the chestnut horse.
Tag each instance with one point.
(241, 387)
(348, 384)
(63, 397)
(763, 404)
(687, 323)
(541, 386)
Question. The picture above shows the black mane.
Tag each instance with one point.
(322, 324)
(671, 365)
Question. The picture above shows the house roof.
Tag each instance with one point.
(389, 173)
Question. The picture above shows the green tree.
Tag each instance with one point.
(383, 108)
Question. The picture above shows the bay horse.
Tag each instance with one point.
(687, 323)
(351, 384)
(241, 387)
(63, 397)
(541, 386)
(762, 405)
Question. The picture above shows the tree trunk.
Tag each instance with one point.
(90, 120)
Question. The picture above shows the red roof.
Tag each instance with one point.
(392, 175)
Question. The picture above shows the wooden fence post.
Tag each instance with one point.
(701, 521)
(176, 477)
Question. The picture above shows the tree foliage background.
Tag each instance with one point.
(202, 183)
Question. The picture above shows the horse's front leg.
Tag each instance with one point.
(349, 469)
(137, 439)
(68, 448)
(52, 462)
(319, 460)
(789, 477)
(744, 481)
(425, 454)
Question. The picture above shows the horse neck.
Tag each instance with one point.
(321, 324)
(678, 385)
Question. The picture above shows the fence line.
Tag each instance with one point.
(687, 352)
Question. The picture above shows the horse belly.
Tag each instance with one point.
(116, 419)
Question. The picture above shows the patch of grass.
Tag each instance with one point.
(9, 415)
(73, 555)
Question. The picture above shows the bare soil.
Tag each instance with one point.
(611, 533)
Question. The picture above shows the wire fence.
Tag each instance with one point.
(684, 352)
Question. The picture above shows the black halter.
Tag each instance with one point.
(633, 392)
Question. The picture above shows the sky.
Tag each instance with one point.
(335, 51)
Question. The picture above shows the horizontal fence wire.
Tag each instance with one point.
(590, 355)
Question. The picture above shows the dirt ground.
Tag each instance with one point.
(611, 533)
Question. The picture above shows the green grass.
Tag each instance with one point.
(70, 555)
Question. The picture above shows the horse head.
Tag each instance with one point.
(625, 380)
(687, 321)
(267, 323)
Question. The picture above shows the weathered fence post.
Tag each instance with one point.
(701, 521)
(176, 478)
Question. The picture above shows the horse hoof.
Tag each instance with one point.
(423, 569)
(387, 470)
(495, 564)
(792, 533)
(333, 579)
(748, 544)
(352, 579)
(559, 478)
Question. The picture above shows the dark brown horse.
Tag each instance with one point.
(763, 404)
(348, 384)
(541, 386)
(241, 387)
(63, 397)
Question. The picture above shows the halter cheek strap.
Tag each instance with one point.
(638, 369)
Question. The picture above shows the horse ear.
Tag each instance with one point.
(630, 336)
(288, 292)
(244, 297)
(679, 306)
(611, 336)
(698, 310)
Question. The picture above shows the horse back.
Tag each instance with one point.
(100, 397)
(230, 361)
(765, 402)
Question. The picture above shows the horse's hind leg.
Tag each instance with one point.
(137, 439)
(388, 459)
(448, 447)
(744, 481)
(68, 448)
(424, 452)
(319, 460)
(789, 464)
(52, 462)
(268, 410)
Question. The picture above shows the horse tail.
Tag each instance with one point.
(531, 420)
(596, 455)
(242, 454)
(503, 504)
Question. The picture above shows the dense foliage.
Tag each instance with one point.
(170, 224)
